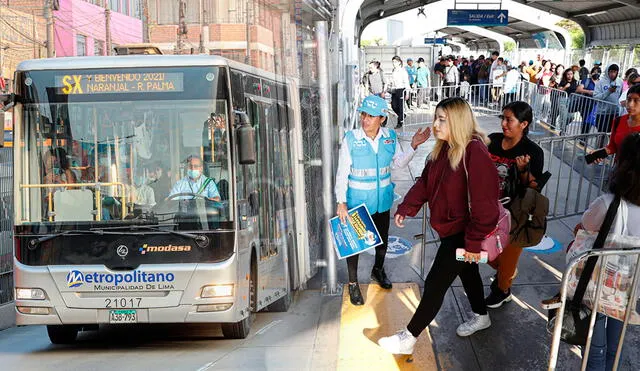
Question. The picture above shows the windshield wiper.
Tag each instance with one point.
(201, 240)
(36, 241)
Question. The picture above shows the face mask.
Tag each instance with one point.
(595, 76)
(57, 171)
(193, 173)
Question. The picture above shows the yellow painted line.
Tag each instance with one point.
(384, 312)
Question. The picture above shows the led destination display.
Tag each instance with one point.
(119, 83)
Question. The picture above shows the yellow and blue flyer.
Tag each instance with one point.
(358, 234)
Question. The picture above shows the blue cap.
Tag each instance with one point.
(374, 105)
(597, 63)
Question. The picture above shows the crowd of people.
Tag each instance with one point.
(465, 178)
(494, 81)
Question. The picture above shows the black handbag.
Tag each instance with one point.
(576, 316)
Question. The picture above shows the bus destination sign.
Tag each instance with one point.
(119, 83)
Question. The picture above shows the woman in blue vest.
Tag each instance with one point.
(367, 156)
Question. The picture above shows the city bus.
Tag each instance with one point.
(154, 189)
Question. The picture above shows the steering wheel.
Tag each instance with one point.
(186, 194)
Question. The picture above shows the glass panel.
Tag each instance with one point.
(159, 160)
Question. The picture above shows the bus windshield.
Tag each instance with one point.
(105, 146)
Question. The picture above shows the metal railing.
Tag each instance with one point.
(600, 273)
(6, 225)
(574, 184)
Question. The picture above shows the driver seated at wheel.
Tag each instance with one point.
(195, 183)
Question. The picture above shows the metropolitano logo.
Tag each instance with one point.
(75, 278)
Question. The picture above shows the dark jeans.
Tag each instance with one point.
(381, 220)
(604, 343)
(443, 272)
(397, 104)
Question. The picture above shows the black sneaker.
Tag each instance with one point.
(398, 126)
(355, 295)
(496, 298)
(378, 275)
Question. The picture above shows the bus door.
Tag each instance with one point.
(259, 114)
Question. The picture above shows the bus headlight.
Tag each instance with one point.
(217, 291)
(30, 294)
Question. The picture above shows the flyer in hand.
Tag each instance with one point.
(358, 234)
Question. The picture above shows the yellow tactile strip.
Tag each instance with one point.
(383, 313)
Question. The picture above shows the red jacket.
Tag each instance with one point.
(446, 192)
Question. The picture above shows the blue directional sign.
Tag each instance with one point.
(435, 40)
(477, 17)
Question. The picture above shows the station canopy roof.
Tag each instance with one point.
(605, 22)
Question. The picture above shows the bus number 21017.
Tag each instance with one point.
(122, 302)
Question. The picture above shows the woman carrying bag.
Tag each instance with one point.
(519, 162)
(463, 213)
(614, 216)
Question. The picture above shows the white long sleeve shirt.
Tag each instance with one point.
(400, 159)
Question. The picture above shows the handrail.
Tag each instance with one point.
(95, 185)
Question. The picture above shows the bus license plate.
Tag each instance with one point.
(123, 316)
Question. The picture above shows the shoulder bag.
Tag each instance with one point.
(576, 317)
(494, 242)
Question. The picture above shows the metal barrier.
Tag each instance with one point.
(630, 306)
(574, 184)
(588, 115)
(6, 225)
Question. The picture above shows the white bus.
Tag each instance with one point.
(109, 229)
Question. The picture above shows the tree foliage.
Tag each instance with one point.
(509, 46)
(376, 41)
(575, 31)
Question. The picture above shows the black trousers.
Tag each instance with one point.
(381, 220)
(397, 104)
(444, 270)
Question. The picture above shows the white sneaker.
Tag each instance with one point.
(400, 343)
(477, 323)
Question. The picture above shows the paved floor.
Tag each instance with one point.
(308, 336)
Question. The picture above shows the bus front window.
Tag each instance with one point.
(162, 161)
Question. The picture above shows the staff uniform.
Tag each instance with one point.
(188, 185)
(364, 176)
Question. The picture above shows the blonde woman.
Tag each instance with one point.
(443, 185)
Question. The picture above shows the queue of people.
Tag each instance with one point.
(494, 81)
(464, 179)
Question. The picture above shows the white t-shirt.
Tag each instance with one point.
(594, 216)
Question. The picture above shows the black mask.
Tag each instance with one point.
(595, 76)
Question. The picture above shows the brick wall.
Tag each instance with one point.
(19, 39)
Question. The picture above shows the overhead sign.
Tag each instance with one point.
(477, 17)
(114, 83)
(435, 40)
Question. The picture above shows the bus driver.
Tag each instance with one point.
(195, 183)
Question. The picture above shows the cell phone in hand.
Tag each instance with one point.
(590, 158)
(484, 257)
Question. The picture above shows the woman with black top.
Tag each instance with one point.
(509, 148)
(569, 85)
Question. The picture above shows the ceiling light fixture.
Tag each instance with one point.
(595, 13)
(381, 13)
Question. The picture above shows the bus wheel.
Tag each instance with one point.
(240, 330)
(62, 334)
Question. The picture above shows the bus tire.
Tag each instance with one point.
(238, 330)
(283, 304)
(62, 334)
(241, 329)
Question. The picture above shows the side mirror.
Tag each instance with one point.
(8, 101)
(246, 139)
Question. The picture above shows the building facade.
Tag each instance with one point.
(81, 26)
(21, 38)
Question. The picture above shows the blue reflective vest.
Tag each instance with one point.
(370, 175)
